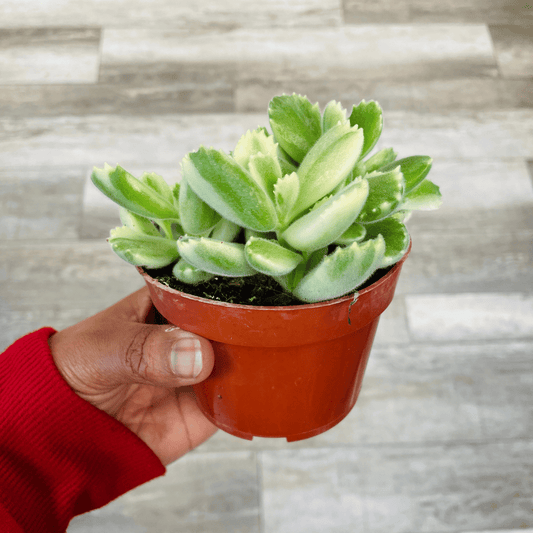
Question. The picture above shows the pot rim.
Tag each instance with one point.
(324, 303)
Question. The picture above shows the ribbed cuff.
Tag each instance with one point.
(59, 455)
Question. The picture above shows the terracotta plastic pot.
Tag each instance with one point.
(290, 372)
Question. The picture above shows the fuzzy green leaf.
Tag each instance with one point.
(217, 257)
(187, 273)
(425, 197)
(369, 117)
(225, 231)
(286, 192)
(333, 114)
(403, 215)
(138, 223)
(176, 194)
(132, 194)
(327, 164)
(296, 124)
(253, 143)
(379, 160)
(291, 280)
(342, 271)
(355, 233)
(270, 258)
(385, 195)
(266, 171)
(143, 250)
(229, 189)
(396, 239)
(287, 164)
(326, 223)
(414, 170)
(158, 184)
(196, 216)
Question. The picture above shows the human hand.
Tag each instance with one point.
(139, 373)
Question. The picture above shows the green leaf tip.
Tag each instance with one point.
(229, 189)
(296, 124)
(132, 194)
(369, 117)
(342, 271)
(143, 250)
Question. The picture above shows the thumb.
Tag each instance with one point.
(165, 356)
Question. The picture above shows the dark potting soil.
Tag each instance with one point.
(250, 290)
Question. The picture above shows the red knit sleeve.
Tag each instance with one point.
(59, 455)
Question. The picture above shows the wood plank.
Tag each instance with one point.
(400, 489)
(206, 14)
(163, 140)
(513, 46)
(49, 55)
(479, 196)
(41, 203)
(460, 134)
(123, 98)
(66, 273)
(423, 11)
(400, 52)
(311, 491)
(455, 317)
(467, 262)
(141, 141)
(427, 96)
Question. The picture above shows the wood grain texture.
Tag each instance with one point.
(407, 11)
(365, 52)
(514, 50)
(49, 55)
(206, 14)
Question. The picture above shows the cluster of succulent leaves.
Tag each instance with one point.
(300, 204)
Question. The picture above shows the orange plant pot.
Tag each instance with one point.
(291, 372)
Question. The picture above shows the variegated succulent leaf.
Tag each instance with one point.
(327, 222)
(225, 231)
(252, 143)
(138, 223)
(271, 258)
(369, 117)
(426, 197)
(266, 171)
(384, 197)
(396, 239)
(286, 191)
(229, 189)
(158, 184)
(355, 233)
(333, 115)
(133, 194)
(187, 273)
(196, 216)
(296, 124)
(380, 160)
(327, 164)
(342, 271)
(217, 257)
(140, 249)
(414, 169)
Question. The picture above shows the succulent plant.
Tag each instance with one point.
(300, 204)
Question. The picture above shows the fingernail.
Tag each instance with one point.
(186, 357)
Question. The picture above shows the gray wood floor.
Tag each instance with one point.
(441, 439)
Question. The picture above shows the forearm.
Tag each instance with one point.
(59, 455)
